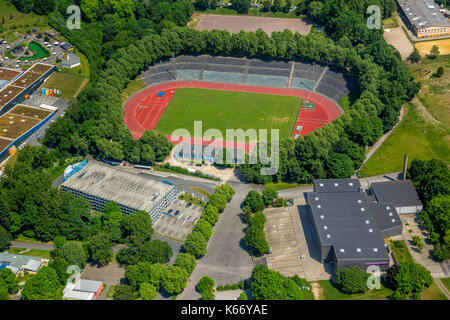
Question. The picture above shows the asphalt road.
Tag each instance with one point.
(227, 260)
(31, 245)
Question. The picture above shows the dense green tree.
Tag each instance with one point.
(100, 248)
(174, 279)
(241, 6)
(411, 278)
(124, 292)
(267, 284)
(72, 252)
(8, 280)
(205, 284)
(339, 166)
(45, 285)
(414, 57)
(204, 227)
(60, 265)
(186, 261)
(147, 292)
(137, 226)
(226, 190)
(211, 214)
(254, 200)
(352, 280)
(195, 244)
(434, 53)
(5, 238)
(269, 194)
(218, 200)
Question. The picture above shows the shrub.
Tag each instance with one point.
(279, 203)
(235, 286)
(205, 284)
(352, 280)
(243, 296)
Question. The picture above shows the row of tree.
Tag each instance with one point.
(432, 181)
(197, 241)
(108, 25)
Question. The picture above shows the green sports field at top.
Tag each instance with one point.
(229, 110)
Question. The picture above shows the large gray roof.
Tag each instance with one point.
(119, 185)
(401, 193)
(385, 216)
(344, 220)
(423, 13)
(337, 185)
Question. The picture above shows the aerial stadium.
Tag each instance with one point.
(236, 93)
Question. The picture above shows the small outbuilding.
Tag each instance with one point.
(401, 193)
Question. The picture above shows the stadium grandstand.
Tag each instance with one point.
(100, 183)
(327, 81)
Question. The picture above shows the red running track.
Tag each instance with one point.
(143, 111)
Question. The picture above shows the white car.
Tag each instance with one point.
(56, 43)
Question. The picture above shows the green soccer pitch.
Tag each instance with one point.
(229, 110)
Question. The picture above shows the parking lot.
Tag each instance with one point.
(294, 250)
(180, 220)
(53, 46)
(280, 234)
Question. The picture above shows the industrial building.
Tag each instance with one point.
(401, 193)
(21, 84)
(348, 227)
(100, 183)
(424, 18)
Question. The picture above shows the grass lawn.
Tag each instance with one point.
(330, 292)
(39, 52)
(33, 252)
(346, 101)
(133, 87)
(110, 292)
(68, 83)
(435, 92)
(401, 251)
(419, 137)
(83, 69)
(189, 198)
(446, 282)
(23, 238)
(284, 185)
(17, 21)
(201, 190)
(433, 293)
(229, 110)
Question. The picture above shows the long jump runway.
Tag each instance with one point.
(143, 110)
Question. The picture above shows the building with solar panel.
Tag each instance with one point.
(348, 226)
(100, 183)
(424, 18)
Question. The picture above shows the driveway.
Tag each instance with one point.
(227, 261)
(31, 245)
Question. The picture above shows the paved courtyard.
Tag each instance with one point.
(280, 234)
(294, 250)
(234, 24)
(111, 274)
(425, 258)
(180, 225)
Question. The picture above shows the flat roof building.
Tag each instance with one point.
(100, 183)
(424, 18)
(83, 289)
(337, 185)
(401, 193)
(348, 227)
